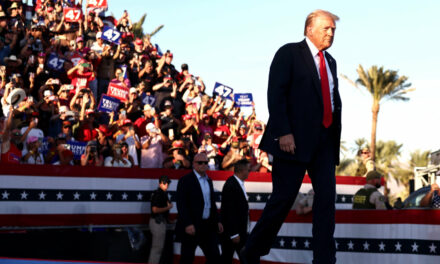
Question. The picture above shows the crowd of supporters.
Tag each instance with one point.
(55, 71)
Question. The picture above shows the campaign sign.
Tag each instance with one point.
(224, 91)
(108, 104)
(111, 34)
(72, 14)
(243, 99)
(78, 148)
(97, 3)
(148, 99)
(75, 58)
(55, 63)
(44, 147)
(118, 92)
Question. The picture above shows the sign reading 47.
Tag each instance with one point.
(111, 34)
(223, 90)
(72, 14)
(97, 3)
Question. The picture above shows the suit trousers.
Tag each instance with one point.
(287, 177)
(206, 238)
(158, 232)
(228, 248)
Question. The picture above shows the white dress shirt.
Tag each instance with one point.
(314, 50)
(203, 181)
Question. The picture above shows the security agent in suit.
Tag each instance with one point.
(301, 138)
(234, 212)
(198, 222)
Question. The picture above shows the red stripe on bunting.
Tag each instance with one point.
(138, 173)
(424, 217)
(19, 220)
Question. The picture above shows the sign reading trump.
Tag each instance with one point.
(108, 104)
(243, 99)
(118, 91)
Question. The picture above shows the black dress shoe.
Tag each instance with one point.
(247, 258)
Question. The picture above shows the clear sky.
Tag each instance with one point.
(233, 42)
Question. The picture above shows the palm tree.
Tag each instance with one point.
(138, 30)
(381, 84)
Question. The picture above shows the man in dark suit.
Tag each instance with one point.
(198, 222)
(303, 134)
(234, 212)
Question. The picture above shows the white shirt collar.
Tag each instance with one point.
(239, 180)
(198, 175)
(312, 47)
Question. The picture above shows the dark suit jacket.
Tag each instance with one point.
(190, 204)
(295, 103)
(234, 209)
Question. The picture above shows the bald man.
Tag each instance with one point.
(198, 222)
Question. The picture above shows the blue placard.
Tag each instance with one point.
(108, 104)
(78, 148)
(55, 63)
(243, 99)
(148, 99)
(159, 51)
(111, 34)
(44, 147)
(223, 90)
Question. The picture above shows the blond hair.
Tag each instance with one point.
(319, 12)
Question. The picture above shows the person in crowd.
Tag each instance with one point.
(31, 155)
(304, 205)
(149, 116)
(129, 136)
(198, 223)
(234, 211)
(365, 163)
(369, 197)
(59, 153)
(91, 156)
(125, 154)
(152, 145)
(432, 198)
(116, 160)
(232, 156)
(211, 151)
(169, 123)
(160, 209)
(178, 158)
(11, 142)
(104, 140)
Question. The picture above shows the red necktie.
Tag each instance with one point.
(325, 88)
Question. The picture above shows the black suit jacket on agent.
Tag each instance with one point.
(190, 204)
(234, 209)
(295, 103)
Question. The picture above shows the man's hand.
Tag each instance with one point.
(435, 187)
(190, 230)
(220, 228)
(236, 240)
(287, 143)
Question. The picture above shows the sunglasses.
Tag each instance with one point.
(202, 162)
(365, 152)
(67, 127)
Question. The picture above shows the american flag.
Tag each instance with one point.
(42, 196)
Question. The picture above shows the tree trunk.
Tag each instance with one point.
(375, 110)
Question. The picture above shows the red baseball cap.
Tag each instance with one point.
(138, 41)
(126, 122)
